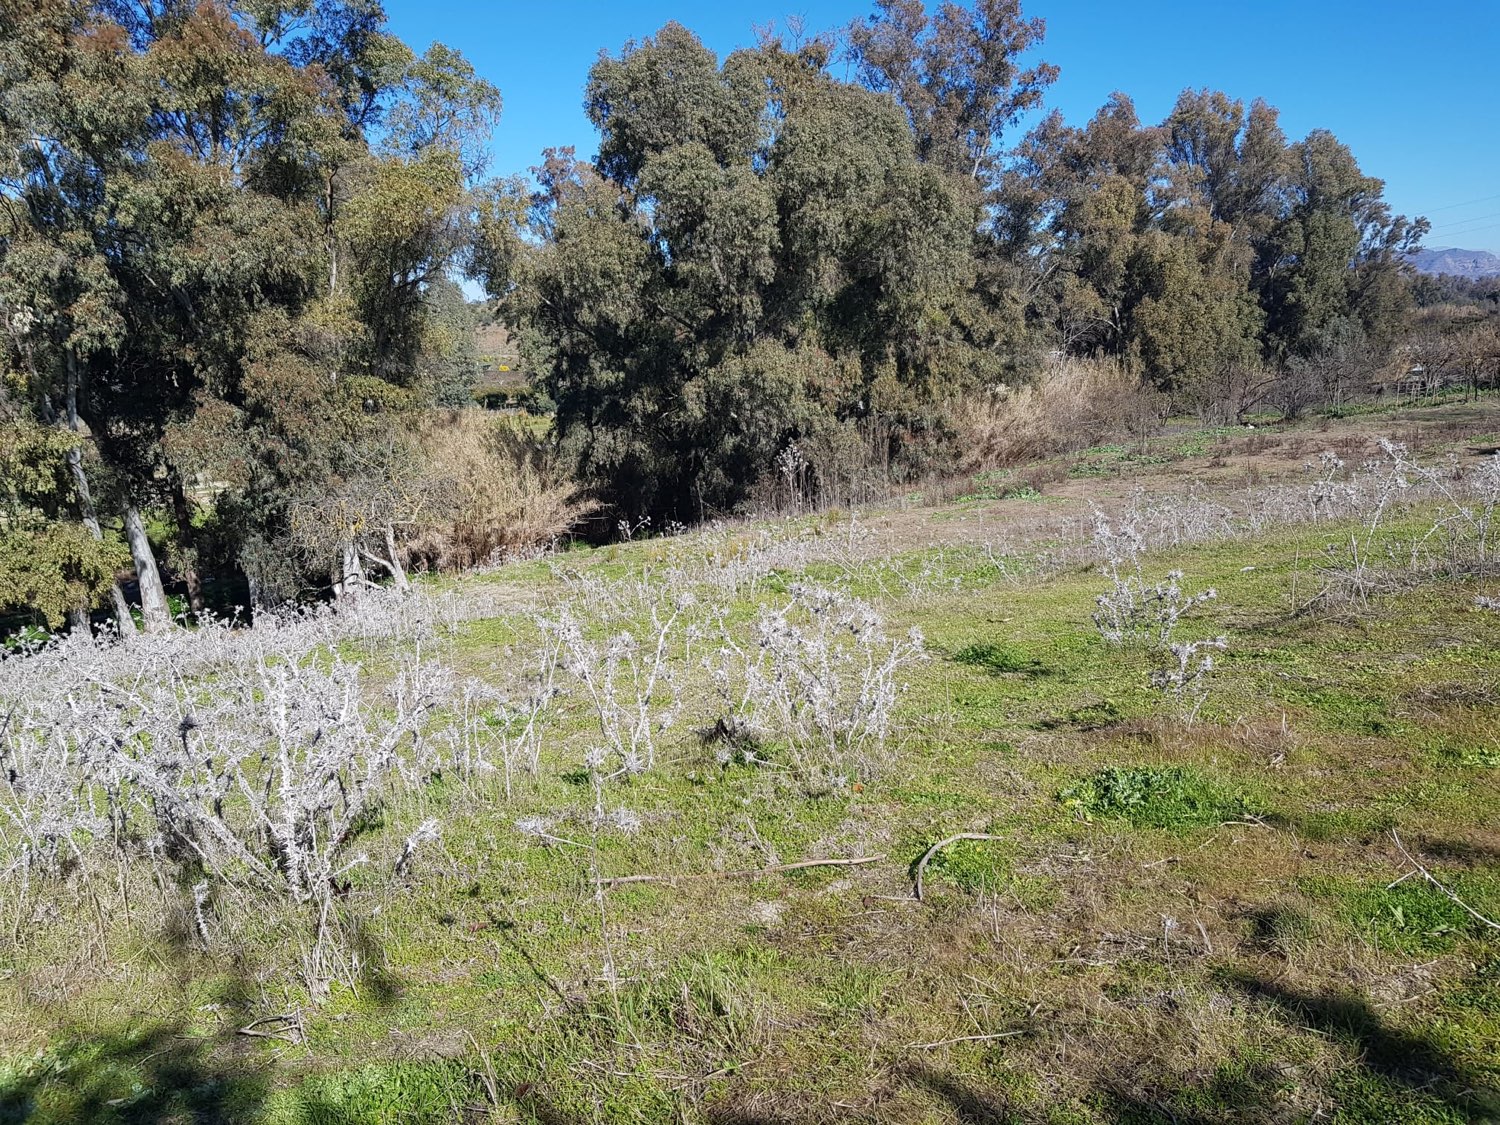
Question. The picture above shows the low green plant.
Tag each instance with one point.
(407, 1091)
(999, 659)
(1416, 917)
(1152, 797)
(25, 638)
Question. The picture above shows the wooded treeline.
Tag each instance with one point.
(231, 233)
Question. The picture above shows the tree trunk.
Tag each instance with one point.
(392, 563)
(397, 570)
(329, 235)
(183, 513)
(123, 619)
(154, 608)
(124, 622)
(252, 584)
(349, 579)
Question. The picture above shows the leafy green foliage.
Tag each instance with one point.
(231, 263)
(229, 258)
(765, 264)
(54, 570)
(1153, 797)
(418, 1092)
(1000, 659)
(50, 565)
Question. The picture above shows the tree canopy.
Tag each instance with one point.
(233, 235)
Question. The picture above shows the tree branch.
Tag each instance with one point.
(1418, 869)
(754, 873)
(939, 846)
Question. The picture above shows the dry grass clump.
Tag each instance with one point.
(497, 490)
(1072, 405)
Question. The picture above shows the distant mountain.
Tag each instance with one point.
(1457, 263)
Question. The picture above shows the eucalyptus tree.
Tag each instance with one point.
(1335, 254)
(1204, 248)
(52, 565)
(964, 77)
(757, 258)
(957, 72)
(146, 223)
(199, 195)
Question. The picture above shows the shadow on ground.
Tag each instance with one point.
(141, 1076)
(1394, 1062)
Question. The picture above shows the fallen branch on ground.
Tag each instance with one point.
(289, 1028)
(753, 873)
(939, 846)
(962, 1039)
(1418, 869)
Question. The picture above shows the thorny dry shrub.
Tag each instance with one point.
(1184, 677)
(496, 492)
(620, 645)
(1461, 541)
(1072, 405)
(1131, 611)
(245, 770)
(819, 676)
(816, 677)
(247, 763)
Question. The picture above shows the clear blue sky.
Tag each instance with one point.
(1413, 89)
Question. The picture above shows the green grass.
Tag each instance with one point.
(1413, 917)
(1188, 923)
(415, 1092)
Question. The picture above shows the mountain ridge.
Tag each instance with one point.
(1455, 262)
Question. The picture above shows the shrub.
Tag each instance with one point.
(821, 677)
(496, 491)
(1130, 610)
(1072, 405)
(248, 766)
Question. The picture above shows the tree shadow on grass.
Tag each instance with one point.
(129, 1070)
(1463, 852)
(377, 984)
(1002, 660)
(1405, 1062)
(131, 1078)
(969, 1106)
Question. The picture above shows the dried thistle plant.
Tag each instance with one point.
(820, 675)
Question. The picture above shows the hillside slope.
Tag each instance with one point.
(1259, 892)
(1471, 264)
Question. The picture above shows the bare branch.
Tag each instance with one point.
(1418, 869)
(939, 846)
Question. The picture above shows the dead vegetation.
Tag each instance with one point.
(1007, 882)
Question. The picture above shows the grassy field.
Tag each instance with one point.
(1275, 909)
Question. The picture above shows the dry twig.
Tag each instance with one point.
(939, 846)
(962, 1039)
(289, 1027)
(1418, 869)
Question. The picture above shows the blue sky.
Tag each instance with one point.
(1411, 88)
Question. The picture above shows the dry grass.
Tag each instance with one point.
(1073, 404)
(498, 492)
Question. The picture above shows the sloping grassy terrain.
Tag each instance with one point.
(1209, 920)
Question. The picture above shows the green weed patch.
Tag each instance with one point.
(1149, 797)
